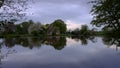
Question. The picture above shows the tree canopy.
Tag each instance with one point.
(106, 14)
(13, 9)
(60, 25)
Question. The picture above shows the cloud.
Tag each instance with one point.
(72, 25)
(62, 1)
(46, 11)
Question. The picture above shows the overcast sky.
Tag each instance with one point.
(73, 12)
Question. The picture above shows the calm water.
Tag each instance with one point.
(60, 52)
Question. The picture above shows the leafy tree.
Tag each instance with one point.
(36, 28)
(76, 31)
(60, 25)
(13, 9)
(84, 30)
(35, 33)
(19, 29)
(106, 13)
(23, 27)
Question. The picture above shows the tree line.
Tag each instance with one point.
(106, 14)
(35, 28)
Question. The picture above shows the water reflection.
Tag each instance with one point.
(31, 42)
(84, 39)
(8, 43)
(62, 56)
(107, 40)
(57, 42)
(111, 41)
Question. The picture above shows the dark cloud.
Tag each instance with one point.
(47, 11)
(62, 1)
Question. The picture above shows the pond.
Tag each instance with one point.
(60, 52)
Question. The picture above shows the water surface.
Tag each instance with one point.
(60, 52)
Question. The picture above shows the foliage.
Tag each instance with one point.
(13, 9)
(83, 31)
(23, 27)
(76, 31)
(19, 29)
(36, 28)
(35, 33)
(31, 27)
(106, 13)
(60, 25)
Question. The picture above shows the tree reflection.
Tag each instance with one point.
(57, 42)
(6, 54)
(31, 42)
(84, 39)
(8, 43)
(111, 40)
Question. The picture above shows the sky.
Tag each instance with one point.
(73, 12)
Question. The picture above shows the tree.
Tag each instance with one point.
(23, 27)
(19, 29)
(84, 30)
(1, 3)
(60, 25)
(106, 14)
(13, 9)
(76, 31)
(36, 29)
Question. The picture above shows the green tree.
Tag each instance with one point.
(60, 25)
(106, 13)
(37, 28)
(19, 29)
(76, 31)
(84, 30)
(23, 27)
